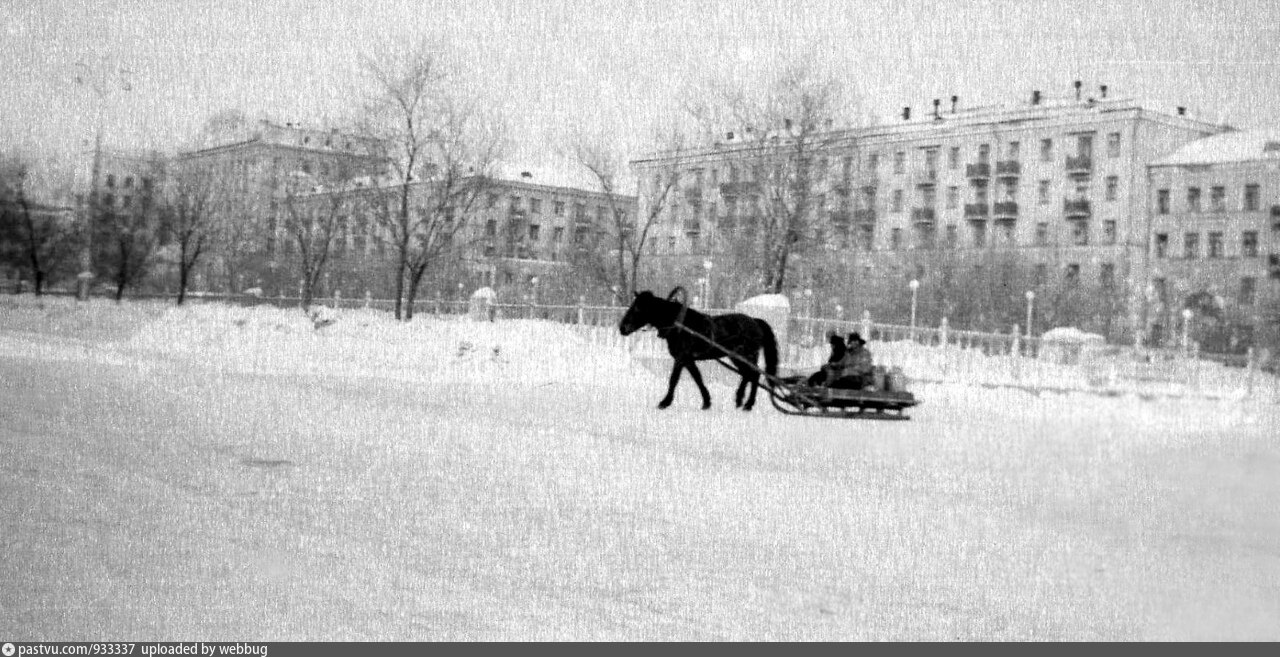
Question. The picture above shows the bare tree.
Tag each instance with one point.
(191, 216)
(34, 235)
(776, 204)
(126, 240)
(615, 253)
(440, 148)
(312, 219)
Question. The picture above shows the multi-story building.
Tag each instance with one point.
(1215, 239)
(1056, 186)
(527, 233)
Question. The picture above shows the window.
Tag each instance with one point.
(1191, 246)
(953, 158)
(493, 200)
(1113, 144)
(980, 193)
(953, 236)
(868, 235)
(1248, 291)
(1107, 276)
(1162, 245)
(1193, 199)
(873, 162)
(984, 153)
(1042, 234)
(535, 205)
(534, 232)
(1011, 152)
(126, 201)
(1080, 232)
(1109, 231)
(1042, 192)
(108, 200)
(895, 238)
(1251, 197)
(1113, 186)
(1040, 274)
(1005, 233)
(1218, 199)
(953, 197)
(111, 180)
(897, 200)
(1249, 244)
(515, 204)
(557, 235)
(146, 184)
(1072, 274)
(1160, 287)
(1215, 244)
(979, 234)
(899, 161)
(1162, 201)
(128, 182)
(1046, 150)
(490, 228)
(558, 208)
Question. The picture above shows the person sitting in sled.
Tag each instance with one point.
(853, 372)
(838, 350)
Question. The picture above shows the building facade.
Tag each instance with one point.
(1214, 254)
(1053, 192)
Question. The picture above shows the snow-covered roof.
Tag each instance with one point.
(574, 177)
(1241, 146)
(1070, 334)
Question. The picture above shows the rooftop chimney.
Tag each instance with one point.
(955, 100)
(728, 136)
(1182, 111)
(526, 174)
(1104, 91)
(1078, 85)
(786, 125)
(936, 104)
(1035, 97)
(906, 114)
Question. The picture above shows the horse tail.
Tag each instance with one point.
(770, 348)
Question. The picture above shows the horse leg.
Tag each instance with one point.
(742, 388)
(751, 376)
(697, 378)
(671, 385)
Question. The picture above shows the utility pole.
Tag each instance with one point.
(99, 82)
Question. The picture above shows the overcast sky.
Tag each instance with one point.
(617, 65)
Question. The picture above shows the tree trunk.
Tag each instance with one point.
(402, 267)
(39, 276)
(184, 272)
(120, 285)
(411, 295)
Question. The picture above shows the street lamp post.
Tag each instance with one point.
(707, 264)
(1031, 300)
(100, 82)
(1186, 329)
(915, 287)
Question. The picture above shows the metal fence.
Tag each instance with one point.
(948, 355)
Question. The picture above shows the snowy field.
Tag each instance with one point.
(224, 473)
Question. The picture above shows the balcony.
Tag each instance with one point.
(1008, 169)
(922, 215)
(976, 210)
(864, 216)
(1081, 164)
(1076, 207)
(980, 170)
(928, 177)
(1006, 210)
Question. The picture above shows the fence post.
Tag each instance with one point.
(1249, 367)
(1015, 347)
(582, 310)
(866, 325)
(942, 332)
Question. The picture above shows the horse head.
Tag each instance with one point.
(640, 313)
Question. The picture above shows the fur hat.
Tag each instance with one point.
(855, 338)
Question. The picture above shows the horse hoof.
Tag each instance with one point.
(663, 404)
(706, 406)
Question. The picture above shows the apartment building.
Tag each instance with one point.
(525, 234)
(1057, 184)
(1215, 236)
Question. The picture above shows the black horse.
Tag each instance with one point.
(692, 336)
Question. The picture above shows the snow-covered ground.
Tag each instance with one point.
(224, 473)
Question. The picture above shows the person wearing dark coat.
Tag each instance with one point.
(838, 350)
(854, 369)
